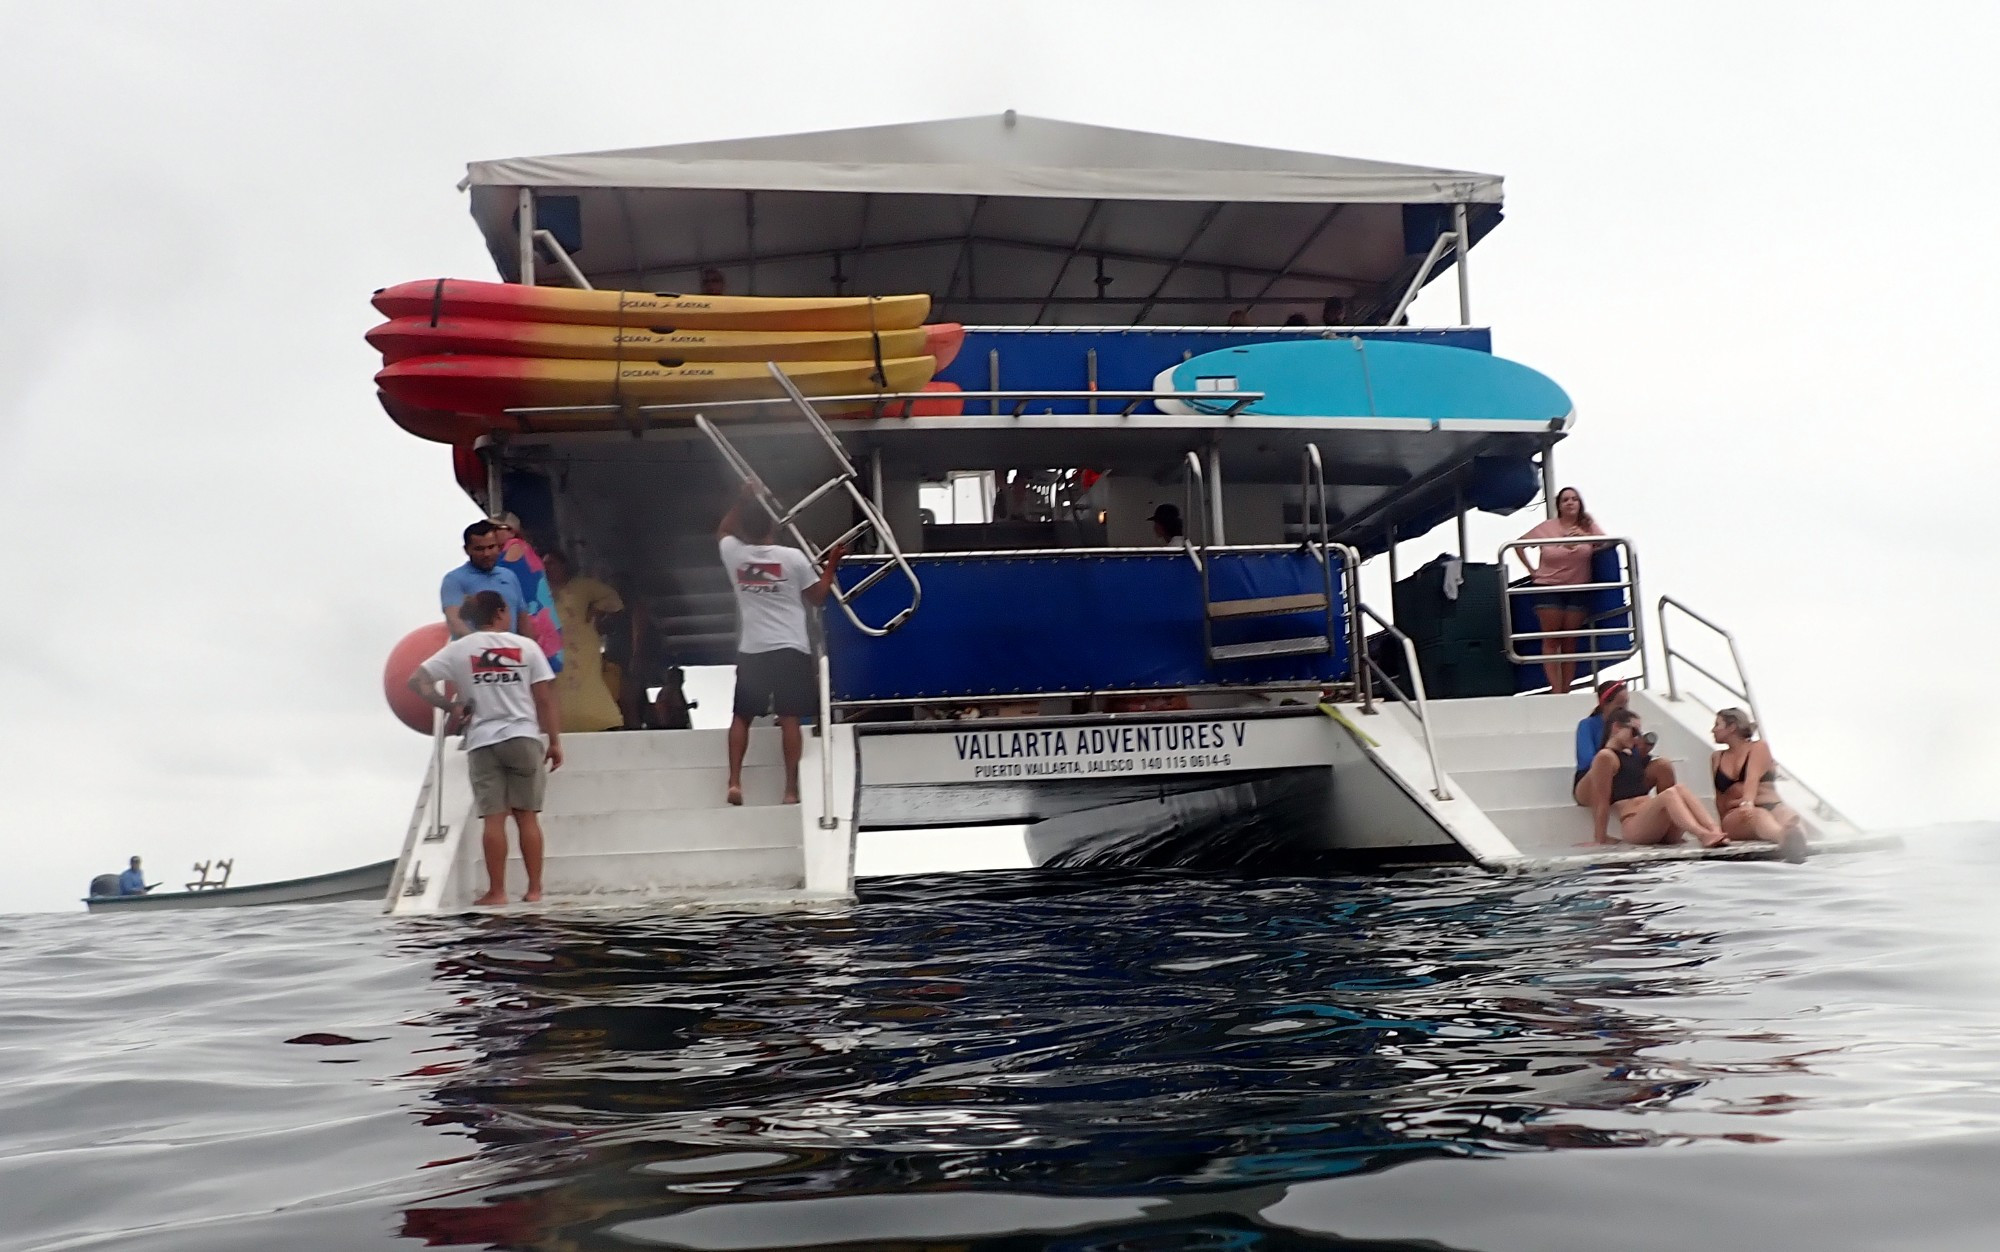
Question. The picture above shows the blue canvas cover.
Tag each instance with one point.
(1072, 622)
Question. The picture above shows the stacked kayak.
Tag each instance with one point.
(464, 358)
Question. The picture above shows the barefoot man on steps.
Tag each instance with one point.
(774, 665)
(505, 701)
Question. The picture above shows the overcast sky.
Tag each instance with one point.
(1754, 242)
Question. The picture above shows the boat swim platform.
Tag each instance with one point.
(1507, 765)
(637, 820)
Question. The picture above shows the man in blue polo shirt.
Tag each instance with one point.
(133, 881)
(482, 571)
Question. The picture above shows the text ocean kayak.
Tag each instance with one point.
(405, 337)
(457, 297)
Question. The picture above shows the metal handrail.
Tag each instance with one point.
(823, 675)
(439, 722)
(1194, 499)
(1312, 491)
(1735, 658)
(1670, 654)
(1420, 706)
(1239, 400)
(1597, 657)
(430, 804)
(871, 517)
(1357, 633)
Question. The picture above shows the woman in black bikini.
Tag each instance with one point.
(1644, 815)
(1753, 811)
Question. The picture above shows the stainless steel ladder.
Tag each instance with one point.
(1312, 491)
(871, 521)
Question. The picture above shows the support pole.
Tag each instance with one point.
(875, 489)
(495, 471)
(1549, 476)
(1217, 535)
(1461, 224)
(1458, 503)
(1392, 572)
(525, 225)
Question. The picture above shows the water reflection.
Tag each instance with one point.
(1106, 1061)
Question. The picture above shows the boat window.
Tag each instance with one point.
(964, 498)
(1012, 508)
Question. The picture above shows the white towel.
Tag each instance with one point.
(1454, 577)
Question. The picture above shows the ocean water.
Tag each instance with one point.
(1688, 1056)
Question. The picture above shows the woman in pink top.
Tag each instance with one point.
(1558, 565)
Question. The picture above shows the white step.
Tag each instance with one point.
(664, 749)
(1509, 715)
(618, 790)
(671, 830)
(1549, 786)
(655, 873)
(1542, 830)
(1539, 749)
(1304, 645)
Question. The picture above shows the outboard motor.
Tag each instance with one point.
(104, 885)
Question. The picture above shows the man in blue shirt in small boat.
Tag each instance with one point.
(133, 881)
(482, 571)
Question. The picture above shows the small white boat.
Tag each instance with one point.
(364, 882)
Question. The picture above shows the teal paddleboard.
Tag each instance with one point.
(1369, 378)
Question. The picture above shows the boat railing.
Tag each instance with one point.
(427, 822)
(823, 689)
(1017, 400)
(1741, 688)
(202, 870)
(1217, 684)
(1415, 700)
(1194, 504)
(1601, 629)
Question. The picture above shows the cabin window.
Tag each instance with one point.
(1011, 508)
(964, 498)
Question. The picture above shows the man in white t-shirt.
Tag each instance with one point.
(774, 665)
(505, 701)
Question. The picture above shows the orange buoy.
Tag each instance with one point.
(415, 648)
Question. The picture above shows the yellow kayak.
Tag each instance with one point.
(405, 337)
(439, 298)
(490, 385)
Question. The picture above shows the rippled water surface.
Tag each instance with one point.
(1713, 1056)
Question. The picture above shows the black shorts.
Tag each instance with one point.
(782, 682)
(1562, 601)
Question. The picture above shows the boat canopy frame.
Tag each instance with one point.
(1167, 223)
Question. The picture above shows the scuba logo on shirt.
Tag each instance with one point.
(760, 577)
(497, 665)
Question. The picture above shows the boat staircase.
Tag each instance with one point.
(1497, 773)
(640, 817)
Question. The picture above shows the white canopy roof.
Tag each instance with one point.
(1002, 219)
(1007, 155)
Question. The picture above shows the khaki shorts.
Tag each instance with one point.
(507, 775)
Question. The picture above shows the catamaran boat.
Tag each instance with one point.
(1010, 641)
